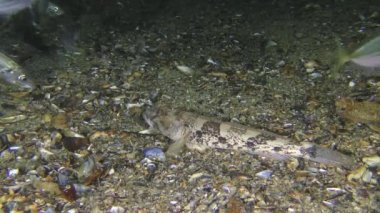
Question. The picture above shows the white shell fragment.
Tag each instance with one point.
(210, 61)
(12, 119)
(265, 174)
(197, 176)
(12, 172)
(185, 69)
(117, 209)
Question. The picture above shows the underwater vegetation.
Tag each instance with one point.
(366, 56)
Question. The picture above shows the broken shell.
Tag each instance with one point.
(185, 69)
(69, 133)
(197, 176)
(311, 66)
(336, 190)
(265, 174)
(367, 176)
(6, 140)
(12, 173)
(12, 119)
(357, 174)
(149, 164)
(81, 189)
(90, 171)
(154, 153)
(66, 177)
(116, 209)
(329, 203)
(373, 161)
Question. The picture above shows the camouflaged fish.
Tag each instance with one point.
(201, 133)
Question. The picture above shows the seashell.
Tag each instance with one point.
(45, 154)
(265, 174)
(329, 203)
(6, 140)
(12, 173)
(271, 43)
(69, 133)
(311, 65)
(357, 174)
(373, 161)
(336, 190)
(185, 69)
(197, 176)
(66, 176)
(229, 189)
(154, 153)
(211, 61)
(151, 166)
(116, 209)
(367, 176)
(81, 189)
(12, 119)
(15, 148)
(90, 171)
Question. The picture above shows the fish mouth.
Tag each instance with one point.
(149, 115)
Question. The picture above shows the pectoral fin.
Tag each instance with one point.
(176, 148)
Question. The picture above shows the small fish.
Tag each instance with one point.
(367, 57)
(12, 73)
(201, 133)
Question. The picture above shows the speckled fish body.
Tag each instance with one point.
(201, 133)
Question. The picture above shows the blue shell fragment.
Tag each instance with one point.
(154, 153)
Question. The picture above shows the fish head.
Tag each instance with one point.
(149, 115)
(167, 122)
